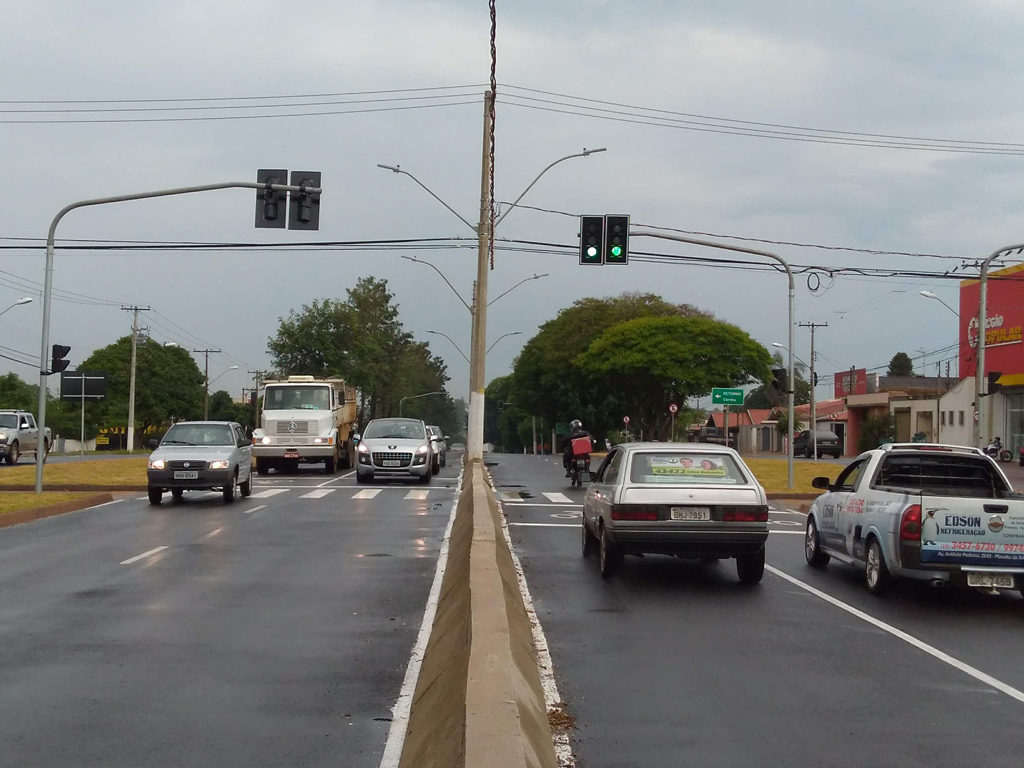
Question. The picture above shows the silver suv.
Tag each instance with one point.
(201, 456)
(440, 444)
(394, 448)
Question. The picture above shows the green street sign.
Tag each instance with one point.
(561, 428)
(723, 396)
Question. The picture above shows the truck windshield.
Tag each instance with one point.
(8, 420)
(942, 475)
(297, 398)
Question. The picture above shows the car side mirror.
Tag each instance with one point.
(447, 438)
(24, 425)
(154, 443)
(822, 483)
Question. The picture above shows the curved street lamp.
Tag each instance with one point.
(514, 333)
(18, 303)
(415, 397)
(930, 295)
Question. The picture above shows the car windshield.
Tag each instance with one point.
(198, 434)
(403, 429)
(8, 420)
(297, 398)
(685, 468)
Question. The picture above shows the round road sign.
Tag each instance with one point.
(673, 408)
(625, 419)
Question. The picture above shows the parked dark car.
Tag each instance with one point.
(828, 444)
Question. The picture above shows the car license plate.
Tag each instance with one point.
(691, 513)
(291, 454)
(998, 580)
(391, 463)
(186, 475)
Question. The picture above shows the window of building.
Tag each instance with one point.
(951, 418)
(961, 418)
(942, 418)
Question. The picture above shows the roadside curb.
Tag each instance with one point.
(38, 513)
(77, 488)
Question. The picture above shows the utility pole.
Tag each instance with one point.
(131, 380)
(258, 376)
(814, 413)
(478, 353)
(206, 389)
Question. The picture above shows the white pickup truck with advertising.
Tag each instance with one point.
(305, 420)
(943, 514)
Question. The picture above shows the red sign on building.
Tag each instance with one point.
(1004, 350)
(852, 382)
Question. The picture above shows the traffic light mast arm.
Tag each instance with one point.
(48, 274)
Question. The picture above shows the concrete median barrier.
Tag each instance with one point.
(478, 700)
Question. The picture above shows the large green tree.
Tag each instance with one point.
(651, 362)
(901, 365)
(168, 385)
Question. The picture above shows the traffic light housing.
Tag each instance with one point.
(592, 239)
(304, 208)
(501, 405)
(993, 382)
(270, 205)
(814, 378)
(780, 381)
(58, 359)
(616, 239)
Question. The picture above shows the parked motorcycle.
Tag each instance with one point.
(996, 451)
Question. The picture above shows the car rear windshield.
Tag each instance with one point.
(8, 420)
(198, 434)
(685, 468)
(941, 474)
(400, 429)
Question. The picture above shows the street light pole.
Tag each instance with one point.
(930, 295)
(206, 376)
(514, 333)
(457, 347)
(979, 363)
(585, 153)
(48, 271)
(131, 377)
(790, 323)
(415, 397)
(18, 303)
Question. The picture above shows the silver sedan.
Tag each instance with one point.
(692, 500)
(201, 456)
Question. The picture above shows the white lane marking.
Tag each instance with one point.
(319, 493)
(400, 712)
(268, 493)
(548, 525)
(977, 674)
(115, 501)
(552, 699)
(417, 495)
(214, 532)
(787, 512)
(255, 509)
(537, 504)
(510, 496)
(336, 479)
(131, 560)
(367, 493)
(558, 498)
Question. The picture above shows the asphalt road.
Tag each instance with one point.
(675, 664)
(274, 631)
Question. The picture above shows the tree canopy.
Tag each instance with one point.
(901, 365)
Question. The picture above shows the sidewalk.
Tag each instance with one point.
(1014, 472)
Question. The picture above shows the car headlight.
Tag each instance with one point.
(158, 464)
(362, 448)
(218, 465)
(265, 441)
(3, 437)
(423, 449)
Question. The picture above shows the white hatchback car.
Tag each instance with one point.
(692, 500)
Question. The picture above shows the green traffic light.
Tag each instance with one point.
(616, 250)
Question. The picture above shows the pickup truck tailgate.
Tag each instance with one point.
(972, 531)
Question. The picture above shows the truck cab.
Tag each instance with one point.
(305, 419)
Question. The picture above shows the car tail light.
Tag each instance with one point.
(746, 515)
(910, 523)
(633, 512)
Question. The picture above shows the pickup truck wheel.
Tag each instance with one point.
(229, 489)
(46, 450)
(750, 568)
(246, 488)
(812, 546)
(610, 556)
(876, 575)
(13, 454)
(156, 495)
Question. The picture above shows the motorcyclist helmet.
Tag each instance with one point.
(575, 425)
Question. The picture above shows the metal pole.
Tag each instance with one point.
(673, 427)
(979, 366)
(726, 426)
(792, 299)
(81, 445)
(206, 390)
(131, 381)
(534, 435)
(478, 353)
(814, 412)
(48, 272)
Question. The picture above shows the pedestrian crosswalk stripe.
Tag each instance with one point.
(417, 495)
(268, 493)
(319, 493)
(510, 496)
(559, 498)
(367, 493)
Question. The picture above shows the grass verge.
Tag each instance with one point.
(16, 501)
(772, 474)
(99, 473)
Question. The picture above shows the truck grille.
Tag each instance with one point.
(379, 457)
(296, 427)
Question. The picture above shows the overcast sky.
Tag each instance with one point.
(936, 69)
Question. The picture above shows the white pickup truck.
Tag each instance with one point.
(20, 435)
(944, 514)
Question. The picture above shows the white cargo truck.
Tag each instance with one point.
(305, 419)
